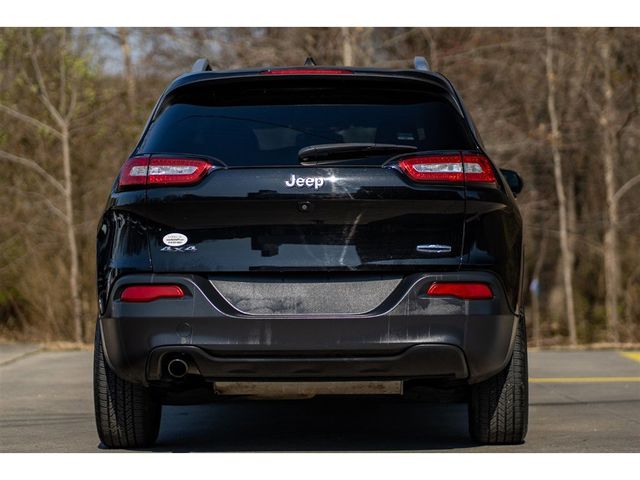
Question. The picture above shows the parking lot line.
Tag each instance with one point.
(631, 355)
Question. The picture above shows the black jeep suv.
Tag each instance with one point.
(301, 231)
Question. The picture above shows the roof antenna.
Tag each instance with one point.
(309, 62)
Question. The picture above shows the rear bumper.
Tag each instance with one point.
(418, 361)
(408, 336)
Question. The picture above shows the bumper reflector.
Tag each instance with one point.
(464, 290)
(149, 293)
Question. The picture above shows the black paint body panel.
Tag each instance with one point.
(364, 220)
(361, 219)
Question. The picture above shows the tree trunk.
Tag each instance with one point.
(347, 46)
(572, 214)
(428, 33)
(365, 46)
(565, 252)
(74, 285)
(535, 295)
(611, 260)
(130, 78)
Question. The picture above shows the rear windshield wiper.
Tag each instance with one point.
(331, 152)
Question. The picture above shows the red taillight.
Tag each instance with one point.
(176, 171)
(307, 71)
(148, 293)
(161, 171)
(445, 168)
(456, 168)
(134, 172)
(464, 290)
(477, 168)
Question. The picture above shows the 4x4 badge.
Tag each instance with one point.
(190, 248)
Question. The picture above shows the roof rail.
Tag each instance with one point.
(420, 63)
(201, 65)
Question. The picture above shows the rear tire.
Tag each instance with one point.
(126, 414)
(499, 406)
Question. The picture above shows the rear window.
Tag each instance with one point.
(266, 124)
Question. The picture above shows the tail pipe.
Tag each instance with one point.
(177, 368)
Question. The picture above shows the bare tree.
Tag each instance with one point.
(555, 140)
(357, 45)
(130, 77)
(535, 291)
(121, 36)
(611, 261)
(347, 46)
(61, 115)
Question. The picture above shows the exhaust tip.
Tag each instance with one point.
(177, 368)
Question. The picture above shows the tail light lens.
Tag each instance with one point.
(477, 168)
(432, 168)
(464, 290)
(134, 172)
(160, 171)
(454, 168)
(149, 293)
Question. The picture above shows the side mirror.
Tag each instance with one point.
(513, 180)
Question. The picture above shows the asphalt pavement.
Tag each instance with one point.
(580, 402)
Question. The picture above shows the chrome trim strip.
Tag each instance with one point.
(433, 248)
